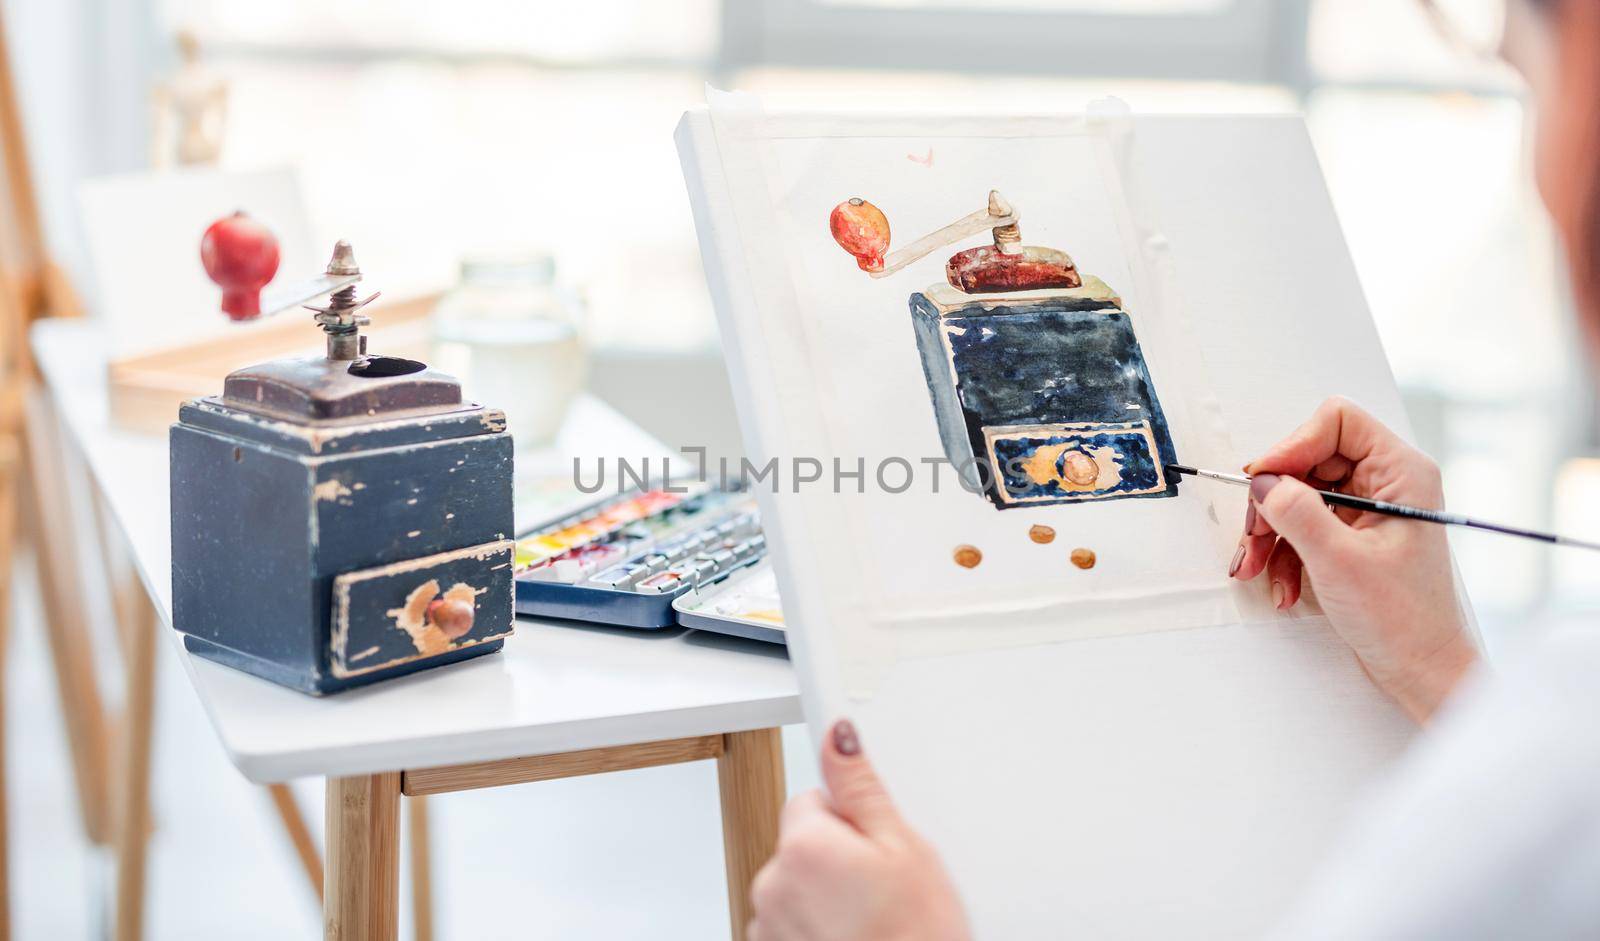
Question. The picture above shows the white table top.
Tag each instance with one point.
(554, 688)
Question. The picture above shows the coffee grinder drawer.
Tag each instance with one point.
(414, 611)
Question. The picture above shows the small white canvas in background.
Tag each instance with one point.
(143, 232)
(1151, 783)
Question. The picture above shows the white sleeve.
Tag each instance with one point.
(1490, 827)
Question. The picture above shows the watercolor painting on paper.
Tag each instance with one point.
(1039, 388)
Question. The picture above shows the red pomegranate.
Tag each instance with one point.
(861, 229)
(240, 255)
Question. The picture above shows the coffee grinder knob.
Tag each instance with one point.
(241, 256)
(453, 618)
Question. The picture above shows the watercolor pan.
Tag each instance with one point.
(745, 605)
(623, 560)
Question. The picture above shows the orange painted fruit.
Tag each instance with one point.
(861, 229)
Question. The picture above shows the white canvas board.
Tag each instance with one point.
(143, 232)
(1131, 780)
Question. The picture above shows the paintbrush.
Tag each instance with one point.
(1399, 509)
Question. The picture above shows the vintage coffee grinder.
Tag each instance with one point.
(1038, 385)
(340, 519)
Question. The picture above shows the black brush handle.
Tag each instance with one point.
(1369, 505)
(1390, 509)
(1433, 516)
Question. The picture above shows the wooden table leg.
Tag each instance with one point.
(361, 894)
(421, 869)
(750, 776)
(299, 835)
(133, 784)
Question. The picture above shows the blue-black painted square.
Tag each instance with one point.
(1026, 374)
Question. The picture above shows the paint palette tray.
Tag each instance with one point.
(745, 604)
(623, 560)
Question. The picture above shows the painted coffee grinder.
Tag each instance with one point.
(340, 519)
(1039, 389)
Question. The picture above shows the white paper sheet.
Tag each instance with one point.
(851, 345)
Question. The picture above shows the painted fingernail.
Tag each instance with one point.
(1262, 485)
(1250, 519)
(845, 740)
(1279, 594)
(1238, 560)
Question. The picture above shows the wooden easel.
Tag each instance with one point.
(110, 750)
(29, 286)
(114, 809)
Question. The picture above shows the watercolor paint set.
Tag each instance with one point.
(744, 605)
(623, 560)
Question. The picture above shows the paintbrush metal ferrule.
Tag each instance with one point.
(1184, 469)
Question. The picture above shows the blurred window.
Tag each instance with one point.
(593, 31)
(1135, 7)
(1228, 40)
(1395, 42)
